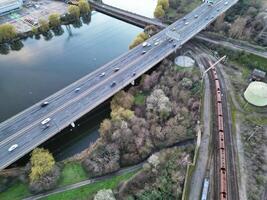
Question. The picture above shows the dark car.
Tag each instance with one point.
(113, 84)
(44, 104)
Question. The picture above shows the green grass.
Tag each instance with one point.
(17, 191)
(72, 173)
(87, 192)
(139, 99)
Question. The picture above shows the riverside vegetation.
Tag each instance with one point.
(157, 113)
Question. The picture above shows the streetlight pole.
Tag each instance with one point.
(212, 65)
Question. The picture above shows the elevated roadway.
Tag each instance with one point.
(126, 16)
(69, 104)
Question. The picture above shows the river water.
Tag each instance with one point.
(42, 67)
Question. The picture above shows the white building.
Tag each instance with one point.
(7, 6)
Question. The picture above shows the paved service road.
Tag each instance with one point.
(68, 105)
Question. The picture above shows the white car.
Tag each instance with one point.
(226, 3)
(156, 43)
(14, 146)
(144, 44)
(45, 121)
(186, 23)
(77, 89)
(102, 74)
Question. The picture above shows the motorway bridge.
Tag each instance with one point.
(71, 103)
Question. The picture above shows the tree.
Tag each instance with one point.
(120, 113)
(140, 38)
(74, 11)
(158, 103)
(122, 99)
(105, 129)
(7, 32)
(164, 3)
(104, 195)
(44, 25)
(44, 172)
(42, 162)
(159, 12)
(54, 20)
(84, 6)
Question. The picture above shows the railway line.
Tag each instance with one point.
(225, 182)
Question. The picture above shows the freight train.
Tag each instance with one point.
(221, 137)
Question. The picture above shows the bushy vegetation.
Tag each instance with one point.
(140, 38)
(167, 115)
(44, 173)
(7, 32)
(162, 178)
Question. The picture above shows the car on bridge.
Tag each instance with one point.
(116, 69)
(102, 74)
(44, 104)
(113, 84)
(45, 123)
(13, 147)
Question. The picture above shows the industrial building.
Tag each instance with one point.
(7, 6)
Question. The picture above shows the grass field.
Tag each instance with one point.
(87, 192)
(72, 173)
(17, 191)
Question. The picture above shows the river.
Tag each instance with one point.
(42, 67)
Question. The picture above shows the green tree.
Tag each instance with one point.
(7, 32)
(74, 11)
(84, 6)
(164, 3)
(44, 25)
(42, 162)
(159, 12)
(54, 20)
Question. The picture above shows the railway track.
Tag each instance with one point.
(225, 182)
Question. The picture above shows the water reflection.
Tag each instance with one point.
(145, 7)
(43, 67)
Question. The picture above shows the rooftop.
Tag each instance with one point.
(256, 93)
